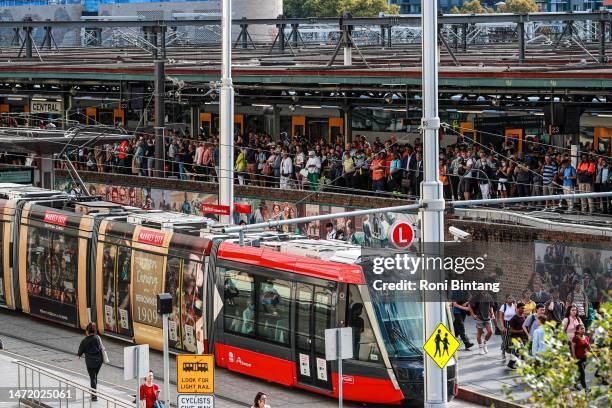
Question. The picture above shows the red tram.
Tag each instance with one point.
(73, 261)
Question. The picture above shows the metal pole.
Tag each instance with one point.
(340, 381)
(521, 41)
(510, 200)
(160, 114)
(136, 365)
(226, 142)
(166, 362)
(602, 42)
(302, 220)
(348, 50)
(432, 212)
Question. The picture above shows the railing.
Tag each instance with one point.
(31, 380)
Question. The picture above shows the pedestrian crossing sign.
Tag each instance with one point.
(441, 345)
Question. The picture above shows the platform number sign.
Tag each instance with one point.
(401, 234)
(195, 374)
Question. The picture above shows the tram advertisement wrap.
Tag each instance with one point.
(147, 284)
(51, 267)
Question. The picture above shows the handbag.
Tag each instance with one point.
(304, 173)
(103, 350)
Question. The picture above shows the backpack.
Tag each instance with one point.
(533, 318)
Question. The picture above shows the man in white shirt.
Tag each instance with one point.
(314, 169)
(286, 170)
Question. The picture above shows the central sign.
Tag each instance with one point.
(195, 374)
(46, 107)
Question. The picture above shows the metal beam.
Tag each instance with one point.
(411, 20)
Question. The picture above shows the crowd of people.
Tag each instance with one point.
(467, 169)
(522, 319)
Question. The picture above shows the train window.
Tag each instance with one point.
(273, 310)
(364, 341)
(53, 266)
(191, 303)
(239, 310)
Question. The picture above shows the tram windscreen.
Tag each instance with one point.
(401, 322)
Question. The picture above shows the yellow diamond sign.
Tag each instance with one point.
(441, 345)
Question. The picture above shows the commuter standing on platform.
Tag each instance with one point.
(261, 401)
(149, 393)
(94, 352)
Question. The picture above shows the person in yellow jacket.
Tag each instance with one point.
(240, 166)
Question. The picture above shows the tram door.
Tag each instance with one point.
(314, 314)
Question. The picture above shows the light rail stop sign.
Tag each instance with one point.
(441, 345)
(195, 401)
(401, 234)
(195, 374)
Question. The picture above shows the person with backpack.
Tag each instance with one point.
(530, 324)
(504, 314)
(95, 354)
(555, 308)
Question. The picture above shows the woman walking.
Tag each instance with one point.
(571, 322)
(95, 355)
(580, 346)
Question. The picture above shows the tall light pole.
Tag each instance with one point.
(226, 106)
(432, 213)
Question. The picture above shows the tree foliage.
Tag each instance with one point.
(551, 378)
(470, 7)
(518, 6)
(335, 8)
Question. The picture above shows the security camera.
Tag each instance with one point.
(459, 234)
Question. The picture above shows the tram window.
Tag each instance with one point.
(239, 310)
(323, 316)
(52, 261)
(364, 341)
(273, 310)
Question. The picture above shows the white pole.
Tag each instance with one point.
(136, 371)
(340, 379)
(226, 140)
(432, 214)
(166, 363)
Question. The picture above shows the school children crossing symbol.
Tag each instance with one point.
(441, 345)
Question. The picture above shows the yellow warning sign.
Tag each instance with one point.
(441, 345)
(195, 374)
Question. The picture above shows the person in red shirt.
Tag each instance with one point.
(580, 346)
(149, 392)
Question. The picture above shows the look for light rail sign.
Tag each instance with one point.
(195, 374)
(441, 345)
